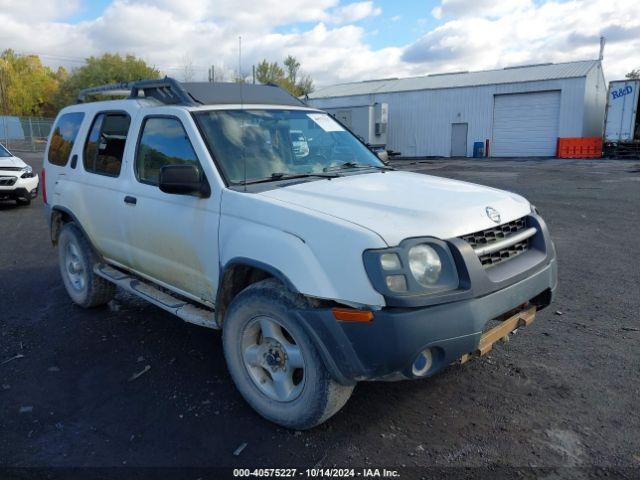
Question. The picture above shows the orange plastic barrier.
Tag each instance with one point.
(582, 147)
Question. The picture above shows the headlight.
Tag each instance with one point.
(425, 264)
(28, 172)
(418, 266)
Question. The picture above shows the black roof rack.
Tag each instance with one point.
(171, 92)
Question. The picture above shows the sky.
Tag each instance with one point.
(336, 41)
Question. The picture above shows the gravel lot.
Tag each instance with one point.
(563, 393)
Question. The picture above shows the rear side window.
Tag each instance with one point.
(163, 142)
(105, 144)
(63, 137)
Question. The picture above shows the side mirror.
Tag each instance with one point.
(183, 180)
(383, 156)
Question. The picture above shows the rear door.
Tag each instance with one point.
(172, 239)
(91, 184)
(101, 182)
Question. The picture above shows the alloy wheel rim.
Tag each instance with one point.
(273, 359)
(74, 267)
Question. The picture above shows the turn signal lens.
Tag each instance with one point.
(352, 315)
(397, 283)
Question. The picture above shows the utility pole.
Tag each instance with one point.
(253, 75)
(602, 42)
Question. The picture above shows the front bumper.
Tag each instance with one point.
(385, 348)
(22, 188)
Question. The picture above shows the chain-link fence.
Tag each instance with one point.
(25, 134)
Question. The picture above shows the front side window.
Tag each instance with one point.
(63, 136)
(105, 145)
(264, 145)
(163, 142)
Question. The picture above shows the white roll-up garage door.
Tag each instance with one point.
(526, 124)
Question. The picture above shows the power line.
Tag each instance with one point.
(83, 61)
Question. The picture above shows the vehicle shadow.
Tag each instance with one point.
(8, 205)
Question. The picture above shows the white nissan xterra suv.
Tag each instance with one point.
(322, 269)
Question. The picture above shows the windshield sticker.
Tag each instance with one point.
(325, 122)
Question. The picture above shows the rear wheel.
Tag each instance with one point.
(273, 361)
(77, 260)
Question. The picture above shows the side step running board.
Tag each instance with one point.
(181, 308)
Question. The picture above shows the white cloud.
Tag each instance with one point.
(471, 35)
(479, 8)
(39, 10)
(354, 12)
(480, 34)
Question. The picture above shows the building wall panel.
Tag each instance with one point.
(420, 121)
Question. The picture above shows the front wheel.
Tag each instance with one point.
(273, 361)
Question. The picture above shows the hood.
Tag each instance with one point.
(398, 205)
(11, 162)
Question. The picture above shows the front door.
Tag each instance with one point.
(459, 139)
(173, 238)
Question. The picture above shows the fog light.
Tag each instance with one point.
(423, 362)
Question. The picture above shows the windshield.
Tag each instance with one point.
(4, 152)
(275, 144)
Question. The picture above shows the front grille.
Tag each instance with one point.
(7, 181)
(491, 235)
(12, 169)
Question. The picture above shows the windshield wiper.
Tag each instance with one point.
(289, 176)
(354, 165)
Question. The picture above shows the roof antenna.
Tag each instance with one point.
(244, 157)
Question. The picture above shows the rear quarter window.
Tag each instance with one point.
(63, 137)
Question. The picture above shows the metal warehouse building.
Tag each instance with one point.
(522, 111)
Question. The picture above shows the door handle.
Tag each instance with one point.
(130, 200)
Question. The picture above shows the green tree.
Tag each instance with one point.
(633, 74)
(293, 66)
(269, 73)
(108, 68)
(305, 86)
(26, 86)
(288, 78)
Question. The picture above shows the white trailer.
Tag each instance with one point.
(622, 124)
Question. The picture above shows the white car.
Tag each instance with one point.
(299, 144)
(320, 275)
(18, 181)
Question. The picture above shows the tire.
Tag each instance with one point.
(77, 259)
(313, 396)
